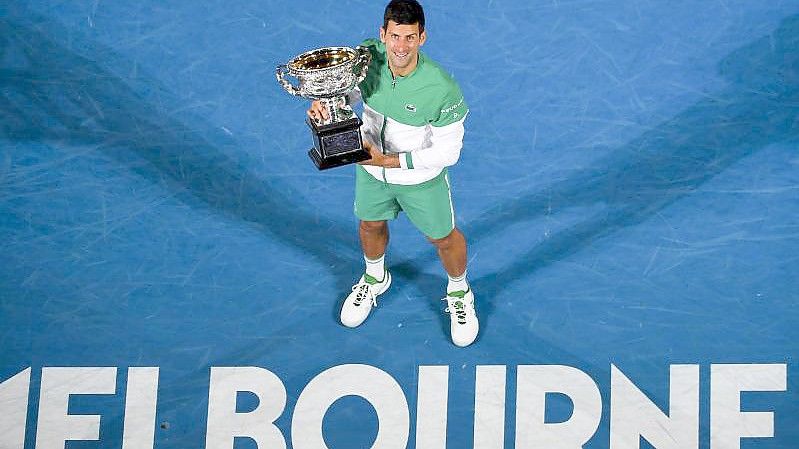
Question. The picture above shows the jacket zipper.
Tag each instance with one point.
(383, 128)
(383, 144)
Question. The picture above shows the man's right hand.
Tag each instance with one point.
(317, 112)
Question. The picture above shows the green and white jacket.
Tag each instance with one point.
(420, 116)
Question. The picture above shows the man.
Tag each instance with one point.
(413, 128)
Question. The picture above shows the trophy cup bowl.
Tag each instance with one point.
(328, 74)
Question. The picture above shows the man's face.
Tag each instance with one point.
(402, 46)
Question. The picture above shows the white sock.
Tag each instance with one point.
(457, 283)
(376, 267)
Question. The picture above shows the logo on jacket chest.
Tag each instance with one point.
(410, 107)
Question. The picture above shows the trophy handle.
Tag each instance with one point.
(280, 74)
(364, 58)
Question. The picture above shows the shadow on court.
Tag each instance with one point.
(58, 95)
(673, 160)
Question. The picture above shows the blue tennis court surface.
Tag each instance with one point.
(170, 259)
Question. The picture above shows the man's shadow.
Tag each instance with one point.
(54, 94)
(668, 163)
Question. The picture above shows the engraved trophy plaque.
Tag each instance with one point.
(328, 74)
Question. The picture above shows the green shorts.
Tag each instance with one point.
(428, 205)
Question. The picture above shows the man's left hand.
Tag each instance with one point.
(379, 159)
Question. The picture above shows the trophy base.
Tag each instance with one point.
(337, 144)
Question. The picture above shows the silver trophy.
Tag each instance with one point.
(328, 74)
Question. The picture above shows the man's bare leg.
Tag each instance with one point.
(452, 252)
(374, 238)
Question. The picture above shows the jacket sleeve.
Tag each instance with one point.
(441, 148)
(444, 139)
(354, 97)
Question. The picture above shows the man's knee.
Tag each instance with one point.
(376, 227)
(452, 239)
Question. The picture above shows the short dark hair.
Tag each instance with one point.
(404, 12)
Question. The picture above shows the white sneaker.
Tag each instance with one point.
(462, 316)
(364, 295)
